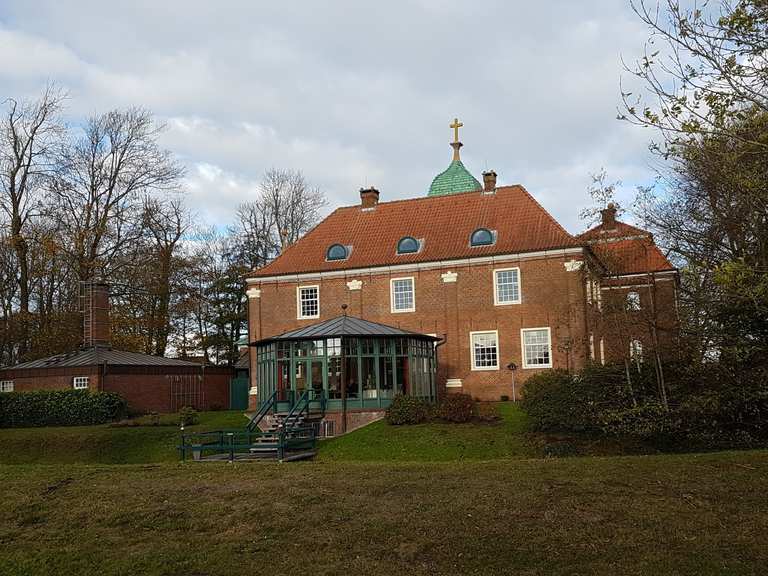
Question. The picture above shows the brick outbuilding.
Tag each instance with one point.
(147, 383)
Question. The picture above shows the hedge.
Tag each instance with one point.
(59, 408)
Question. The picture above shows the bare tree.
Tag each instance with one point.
(702, 65)
(166, 222)
(104, 175)
(29, 132)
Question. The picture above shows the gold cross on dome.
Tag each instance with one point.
(455, 125)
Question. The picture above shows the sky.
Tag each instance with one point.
(353, 94)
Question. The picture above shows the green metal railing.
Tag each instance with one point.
(262, 411)
(231, 441)
(293, 435)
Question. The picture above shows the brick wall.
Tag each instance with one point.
(145, 389)
(551, 296)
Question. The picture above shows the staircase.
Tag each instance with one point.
(288, 436)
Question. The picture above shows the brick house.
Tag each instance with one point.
(147, 383)
(486, 269)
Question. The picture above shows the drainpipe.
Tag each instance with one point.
(443, 341)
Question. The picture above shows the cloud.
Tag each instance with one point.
(351, 93)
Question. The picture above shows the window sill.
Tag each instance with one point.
(484, 368)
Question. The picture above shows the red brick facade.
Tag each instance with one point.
(145, 389)
(451, 301)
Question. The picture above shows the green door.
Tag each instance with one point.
(238, 393)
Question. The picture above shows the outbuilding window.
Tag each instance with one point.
(308, 302)
(402, 295)
(407, 245)
(6, 385)
(537, 347)
(337, 252)
(506, 286)
(633, 301)
(481, 237)
(80, 382)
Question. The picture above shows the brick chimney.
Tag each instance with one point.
(609, 216)
(369, 197)
(94, 304)
(489, 181)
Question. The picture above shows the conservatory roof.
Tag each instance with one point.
(345, 326)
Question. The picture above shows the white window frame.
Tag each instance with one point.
(636, 350)
(77, 382)
(602, 351)
(632, 300)
(392, 294)
(6, 385)
(299, 314)
(591, 346)
(474, 366)
(496, 301)
(522, 347)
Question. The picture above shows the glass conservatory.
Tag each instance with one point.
(344, 364)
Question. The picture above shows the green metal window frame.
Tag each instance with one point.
(411, 248)
(378, 353)
(337, 252)
(481, 237)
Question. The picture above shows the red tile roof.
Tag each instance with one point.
(625, 249)
(618, 230)
(442, 223)
(633, 256)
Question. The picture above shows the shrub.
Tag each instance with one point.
(59, 408)
(188, 416)
(558, 401)
(457, 408)
(407, 410)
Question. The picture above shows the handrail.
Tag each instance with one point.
(262, 411)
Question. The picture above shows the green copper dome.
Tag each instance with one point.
(456, 178)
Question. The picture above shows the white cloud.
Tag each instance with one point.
(351, 93)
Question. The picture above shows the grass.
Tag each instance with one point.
(435, 442)
(105, 444)
(377, 442)
(674, 514)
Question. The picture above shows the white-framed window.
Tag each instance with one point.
(636, 351)
(633, 301)
(602, 351)
(308, 302)
(506, 286)
(485, 350)
(591, 346)
(6, 385)
(402, 294)
(537, 347)
(80, 382)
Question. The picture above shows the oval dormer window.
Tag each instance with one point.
(481, 237)
(337, 252)
(407, 245)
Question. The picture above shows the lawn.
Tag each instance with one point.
(377, 442)
(681, 514)
(435, 442)
(105, 444)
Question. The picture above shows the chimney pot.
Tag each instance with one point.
(369, 197)
(609, 215)
(489, 181)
